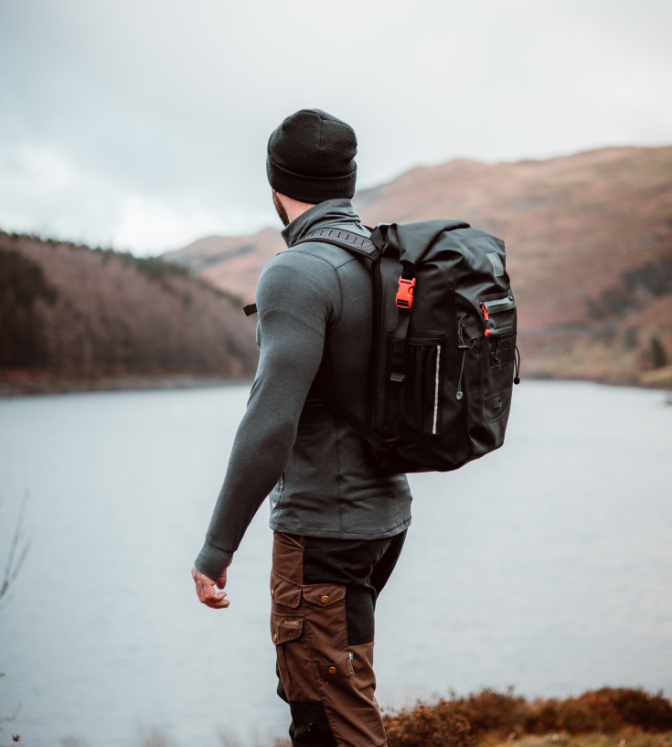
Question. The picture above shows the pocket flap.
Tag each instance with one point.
(333, 669)
(285, 627)
(285, 592)
(323, 595)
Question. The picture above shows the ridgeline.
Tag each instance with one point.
(589, 251)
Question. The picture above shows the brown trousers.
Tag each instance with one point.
(323, 634)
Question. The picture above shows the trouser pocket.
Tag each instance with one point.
(285, 629)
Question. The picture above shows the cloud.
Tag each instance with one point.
(112, 112)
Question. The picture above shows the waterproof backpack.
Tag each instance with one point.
(444, 356)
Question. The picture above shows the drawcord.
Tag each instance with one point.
(516, 362)
(464, 348)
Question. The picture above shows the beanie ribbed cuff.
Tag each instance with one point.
(311, 189)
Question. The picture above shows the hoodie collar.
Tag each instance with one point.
(327, 213)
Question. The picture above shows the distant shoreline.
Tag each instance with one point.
(26, 383)
(20, 383)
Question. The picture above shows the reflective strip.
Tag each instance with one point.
(436, 388)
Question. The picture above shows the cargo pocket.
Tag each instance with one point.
(285, 628)
(501, 341)
(413, 406)
(333, 669)
(284, 592)
(500, 318)
(323, 595)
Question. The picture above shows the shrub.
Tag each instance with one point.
(462, 722)
(428, 726)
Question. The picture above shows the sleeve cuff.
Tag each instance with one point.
(212, 561)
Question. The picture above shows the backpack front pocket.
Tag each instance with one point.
(413, 406)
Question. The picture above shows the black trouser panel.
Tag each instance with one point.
(364, 566)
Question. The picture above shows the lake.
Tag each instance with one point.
(546, 565)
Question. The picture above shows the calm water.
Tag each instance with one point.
(547, 566)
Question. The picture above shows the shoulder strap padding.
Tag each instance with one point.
(353, 242)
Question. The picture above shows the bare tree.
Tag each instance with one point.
(12, 568)
(14, 561)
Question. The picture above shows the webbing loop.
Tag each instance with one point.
(407, 282)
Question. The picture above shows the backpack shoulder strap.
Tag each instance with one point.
(353, 242)
(363, 247)
(358, 425)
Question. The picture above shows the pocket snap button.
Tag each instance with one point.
(325, 600)
(332, 670)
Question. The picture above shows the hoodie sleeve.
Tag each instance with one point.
(298, 295)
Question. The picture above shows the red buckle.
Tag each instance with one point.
(405, 293)
(485, 312)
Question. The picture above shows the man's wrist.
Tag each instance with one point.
(212, 561)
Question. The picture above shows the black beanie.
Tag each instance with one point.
(311, 157)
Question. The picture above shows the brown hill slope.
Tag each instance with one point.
(589, 246)
(72, 311)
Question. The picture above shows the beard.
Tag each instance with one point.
(280, 210)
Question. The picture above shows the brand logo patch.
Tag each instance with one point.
(497, 266)
(291, 622)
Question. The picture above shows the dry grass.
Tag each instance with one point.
(489, 718)
(627, 738)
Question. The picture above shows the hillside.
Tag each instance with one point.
(70, 312)
(589, 247)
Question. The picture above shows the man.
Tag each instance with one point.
(339, 523)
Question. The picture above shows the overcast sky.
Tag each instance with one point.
(143, 124)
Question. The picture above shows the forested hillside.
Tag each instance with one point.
(70, 311)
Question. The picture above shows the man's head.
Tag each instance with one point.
(311, 158)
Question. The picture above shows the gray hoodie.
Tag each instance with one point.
(315, 315)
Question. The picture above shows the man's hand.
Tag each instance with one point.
(205, 589)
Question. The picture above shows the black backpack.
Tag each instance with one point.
(444, 355)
